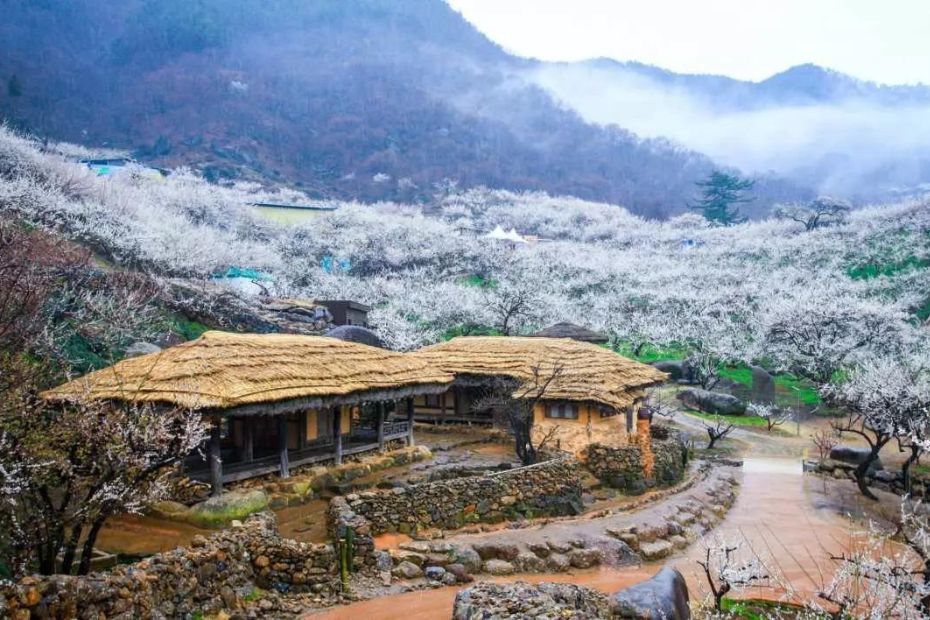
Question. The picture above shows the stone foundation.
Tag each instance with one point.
(215, 574)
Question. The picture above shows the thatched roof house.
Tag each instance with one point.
(589, 373)
(259, 373)
(276, 400)
(570, 330)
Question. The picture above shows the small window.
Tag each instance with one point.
(564, 411)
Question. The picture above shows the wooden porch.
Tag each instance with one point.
(247, 446)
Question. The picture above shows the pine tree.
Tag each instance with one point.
(721, 193)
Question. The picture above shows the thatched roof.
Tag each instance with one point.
(588, 372)
(570, 330)
(259, 373)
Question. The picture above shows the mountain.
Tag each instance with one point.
(817, 127)
(360, 99)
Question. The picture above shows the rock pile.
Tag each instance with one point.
(523, 600)
(216, 574)
(663, 597)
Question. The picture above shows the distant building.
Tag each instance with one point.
(285, 213)
(347, 312)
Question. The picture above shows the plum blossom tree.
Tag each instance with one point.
(66, 471)
(886, 398)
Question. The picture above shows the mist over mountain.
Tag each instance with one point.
(817, 127)
(366, 99)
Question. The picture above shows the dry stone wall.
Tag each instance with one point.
(212, 575)
(552, 488)
(625, 467)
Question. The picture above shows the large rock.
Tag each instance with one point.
(498, 567)
(664, 597)
(854, 456)
(493, 550)
(763, 385)
(712, 402)
(656, 550)
(222, 510)
(678, 370)
(407, 570)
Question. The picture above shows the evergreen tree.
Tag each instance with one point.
(14, 87)
(721, 193)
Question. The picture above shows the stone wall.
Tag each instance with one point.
(214, 574)
(552, 488)
(891, 481)
(627, 467)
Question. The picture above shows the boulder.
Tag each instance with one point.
(498, 567)
(712, 402)
(763, 385)
(497, 551)
(460, 572)
(655, 550)
(407, 570)
(434, 573)
(664, 597)
(677, 370)
(585, 558)
(854, 456)
(468, 558)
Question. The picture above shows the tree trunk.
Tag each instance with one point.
(67, 560)
(906, 467)
(87, 553)
(861, 472)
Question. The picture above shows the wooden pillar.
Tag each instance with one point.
(442, 407)
(409, 421)
(285, 469)
(337, 434)
(248, 438)
(380, 408)
(216, 461)
(302, 430)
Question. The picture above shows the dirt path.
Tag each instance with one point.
(792, 522)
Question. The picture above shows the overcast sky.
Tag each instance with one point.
(881, 40)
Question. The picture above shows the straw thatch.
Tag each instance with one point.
(588, 373)
(259, 374)
(570, 330)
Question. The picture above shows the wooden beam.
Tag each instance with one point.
(337, 434)
(380, 408)
(410, 421)
(216, 461)
(284, 465)
(302, 430)
(248, 438)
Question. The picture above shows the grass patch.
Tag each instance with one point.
(736, 420)
(799, 389)
(760, 609)
(650, 353)
(189, 330)
(873, 270)
(469, 330)
(740, 374)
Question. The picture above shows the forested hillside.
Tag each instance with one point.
(368, 99)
